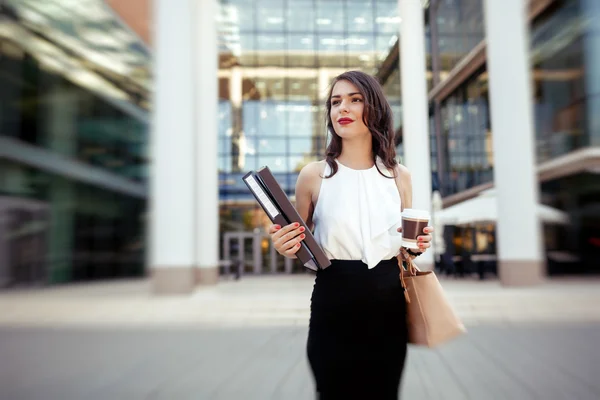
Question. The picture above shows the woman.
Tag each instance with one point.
(357, 337)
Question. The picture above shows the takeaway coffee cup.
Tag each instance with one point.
(413, 223)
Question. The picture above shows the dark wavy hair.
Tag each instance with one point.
(377, 116)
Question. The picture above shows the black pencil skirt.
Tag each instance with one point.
(357, 336)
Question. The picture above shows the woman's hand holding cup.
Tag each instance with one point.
(415, 229)
(287, 239)
(424, 241)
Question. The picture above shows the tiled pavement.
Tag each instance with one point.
(246, 340)
(280, 301)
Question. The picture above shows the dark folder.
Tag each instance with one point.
(280, 210)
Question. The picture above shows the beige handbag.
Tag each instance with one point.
(431, 319)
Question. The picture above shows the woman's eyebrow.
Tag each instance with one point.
(349, 94)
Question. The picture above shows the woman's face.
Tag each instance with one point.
(347, 105)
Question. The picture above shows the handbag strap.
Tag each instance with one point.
(404, 258)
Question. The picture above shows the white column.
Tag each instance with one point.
(206, 180)
(236, 81)
(323, 81)
(417, 155)
(519, 241)
(173, 169)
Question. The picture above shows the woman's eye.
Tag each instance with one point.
(356, 99)
(335, 103)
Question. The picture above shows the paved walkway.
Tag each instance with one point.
(520, 362)
(280, 301)
(246, 340)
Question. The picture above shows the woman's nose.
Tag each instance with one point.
(343, 106)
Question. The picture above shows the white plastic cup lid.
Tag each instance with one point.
(416, 213)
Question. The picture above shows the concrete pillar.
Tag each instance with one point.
(415, 116)
(60, 121)
(207, 109)
(62, 225)
(319, 132)
(518, 228)
(4, 248)
(324, 81)
(237, 127)
(173, 145)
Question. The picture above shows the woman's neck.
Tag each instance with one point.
(357, 154)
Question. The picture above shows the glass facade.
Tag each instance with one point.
(564, 94)
(461, 157)
(466, 136)
(563, 79)
(590, 10)
(390, 78)
(460, 27)
(393, 92)
(277, 59)
(74, 95)
(565, 61)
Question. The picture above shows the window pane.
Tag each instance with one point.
(361, 51)
(330, 16)
(275, 163)
(302, 89)
(332, 50)
(359, 16)
(303, 145)
(301, 50)
(266, 88)
(386, 18)
(269, 118)
(301, 16)
(383, 46)
(224, 118)
(225, 164)
(270, 15)
(271, 145)
(225, 145)
(248, 163)
(240, 13)
(247, 50)
(270, 50)
(300, 117)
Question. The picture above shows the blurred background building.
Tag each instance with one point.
(76, 80)
(74, 111)
(564, 54)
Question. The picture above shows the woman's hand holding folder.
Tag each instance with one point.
(287, 239)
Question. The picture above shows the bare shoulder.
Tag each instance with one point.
(312, 172)
(402, 174)
(309, 181)
(307, 190)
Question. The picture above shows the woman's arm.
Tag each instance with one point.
(308, 181)
(286, 239)
(404, 184)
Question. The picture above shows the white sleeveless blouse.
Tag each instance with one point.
(357, 215)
